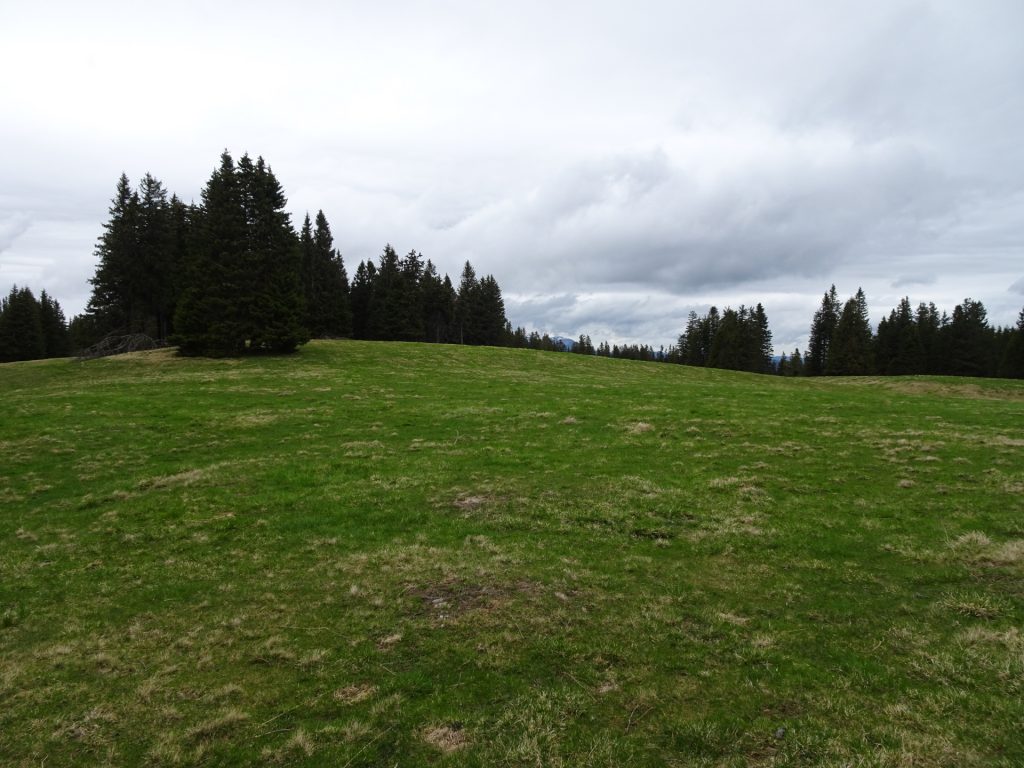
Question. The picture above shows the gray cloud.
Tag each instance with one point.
(906, 281)
(11, 228)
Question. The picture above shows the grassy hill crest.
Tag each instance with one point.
(378, 553)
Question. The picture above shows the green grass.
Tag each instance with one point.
(397, 554)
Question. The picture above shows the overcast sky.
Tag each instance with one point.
(614, 165)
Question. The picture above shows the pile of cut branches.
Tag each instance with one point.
(119, 345)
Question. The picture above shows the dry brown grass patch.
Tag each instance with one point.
(972, 391)
(353, 694)
(971, 540)
(446, 738)
(1009, 553)
(469, 502)
(256, 418)
(180, 479)
(298, 745)
(639, 427)
(732, 618)
(1009, 442)
(219, 726)
(453, 597)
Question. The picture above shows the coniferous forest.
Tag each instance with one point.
(231, 275)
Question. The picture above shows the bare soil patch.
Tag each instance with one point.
(447, 738)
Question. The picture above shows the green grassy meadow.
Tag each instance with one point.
(375, 554)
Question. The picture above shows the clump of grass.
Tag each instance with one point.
(354, 694)
(447, 738)
(298, 746)
(10, 616)
(639, 428)
(979, 606)
(219, 727)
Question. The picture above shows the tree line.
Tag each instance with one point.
(909, 341)
(31, 328)
(230, 275)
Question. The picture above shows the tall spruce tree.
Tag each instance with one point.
(363, 299)
(135, 286)
(155, 275)
(56, 339)
(728, 347)
(823, 327)
(309, 275)
(761, 335)
(966, 339)
(851, 352)
(334, 296)
(212, 316)
(929, 330)
(384, 321)
(492, 323)
(243, 276)
(21, 328)
(467, 307)
(1012, 364)
(276, 311)
(898, 347)
(438, 305)
(113, 303)
(325, 282)
(409, 302)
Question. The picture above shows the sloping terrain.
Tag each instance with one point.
(378, 554)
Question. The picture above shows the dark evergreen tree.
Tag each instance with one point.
(966, 340)
(1012, 363)
(21, 328)
(56, 339)
(823, 327)
(760, 334)
(796, 363)
(276, 311)
(491, 322)
(213, 315)
(852, 347)
(688, 338)
(242, 288)
(384, 322)
(467, 308)
(409, 307)
(113, 303)
(154, 277)
(929, 330)
(695, 342)
(309, 277)
(519, 338)
(363, 299)
(583, 345)
(136, 285)
(438, 298)
(728, 347)
(898, 347)
(325, 282)
(85, 331)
